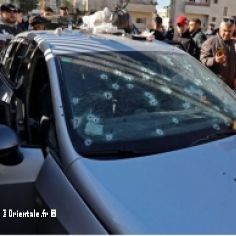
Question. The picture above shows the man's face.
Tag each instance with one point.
(9, 16)
(181, 28)
(19, 17)
(38, 27)
(63, 12)
(193, 26)
(226, 31)
(47, 13)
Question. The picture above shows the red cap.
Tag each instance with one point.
(181, 20)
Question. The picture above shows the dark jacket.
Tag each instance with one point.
(169, 35)
(227, 71)
(158, 34)
(23, 26)
(13, 29)
(183, 41)
(198, 38)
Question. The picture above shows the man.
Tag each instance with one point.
(23, 24)
(210, 30)
(63, 11)
(169, 35)
(64, 20)
(47, 11)
(182, 30)
(182, 37)
(157, 28)
(197, 36)
(8, 21)
(218, 52)
(38, 22)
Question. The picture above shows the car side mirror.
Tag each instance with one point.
(9, 147)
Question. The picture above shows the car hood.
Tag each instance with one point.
(191, 191)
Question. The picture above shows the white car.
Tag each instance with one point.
(116, 136)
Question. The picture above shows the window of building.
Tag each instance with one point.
(215, 1)
(141, 20)
(213, 19)
(225, 12)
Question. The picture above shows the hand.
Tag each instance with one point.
(221, 59)
(150, 37)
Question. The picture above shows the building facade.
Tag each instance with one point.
(209, 11)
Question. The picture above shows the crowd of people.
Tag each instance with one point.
(12, 21)
(217, 52)
(216, 48)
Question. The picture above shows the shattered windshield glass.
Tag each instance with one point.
(145, 102)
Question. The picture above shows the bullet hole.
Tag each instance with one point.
(235, 179)
(224, 173)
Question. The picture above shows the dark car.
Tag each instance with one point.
(102, 134)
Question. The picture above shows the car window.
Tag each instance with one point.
(24, 64)
(142, 101)
(15, 60)
(8, 56)
(40, 118)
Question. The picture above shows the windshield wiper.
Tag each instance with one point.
(214, 136)
(115, 153)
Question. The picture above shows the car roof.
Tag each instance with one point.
(70, 42)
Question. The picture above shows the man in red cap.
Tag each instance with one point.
(182, 38)
(182, 26)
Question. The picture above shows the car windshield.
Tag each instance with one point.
(119, 103)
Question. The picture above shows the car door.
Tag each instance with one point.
(15, 63)
(6, 91)
(55, 192)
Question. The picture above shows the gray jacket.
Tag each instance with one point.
(227, 71)
(12, 29)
